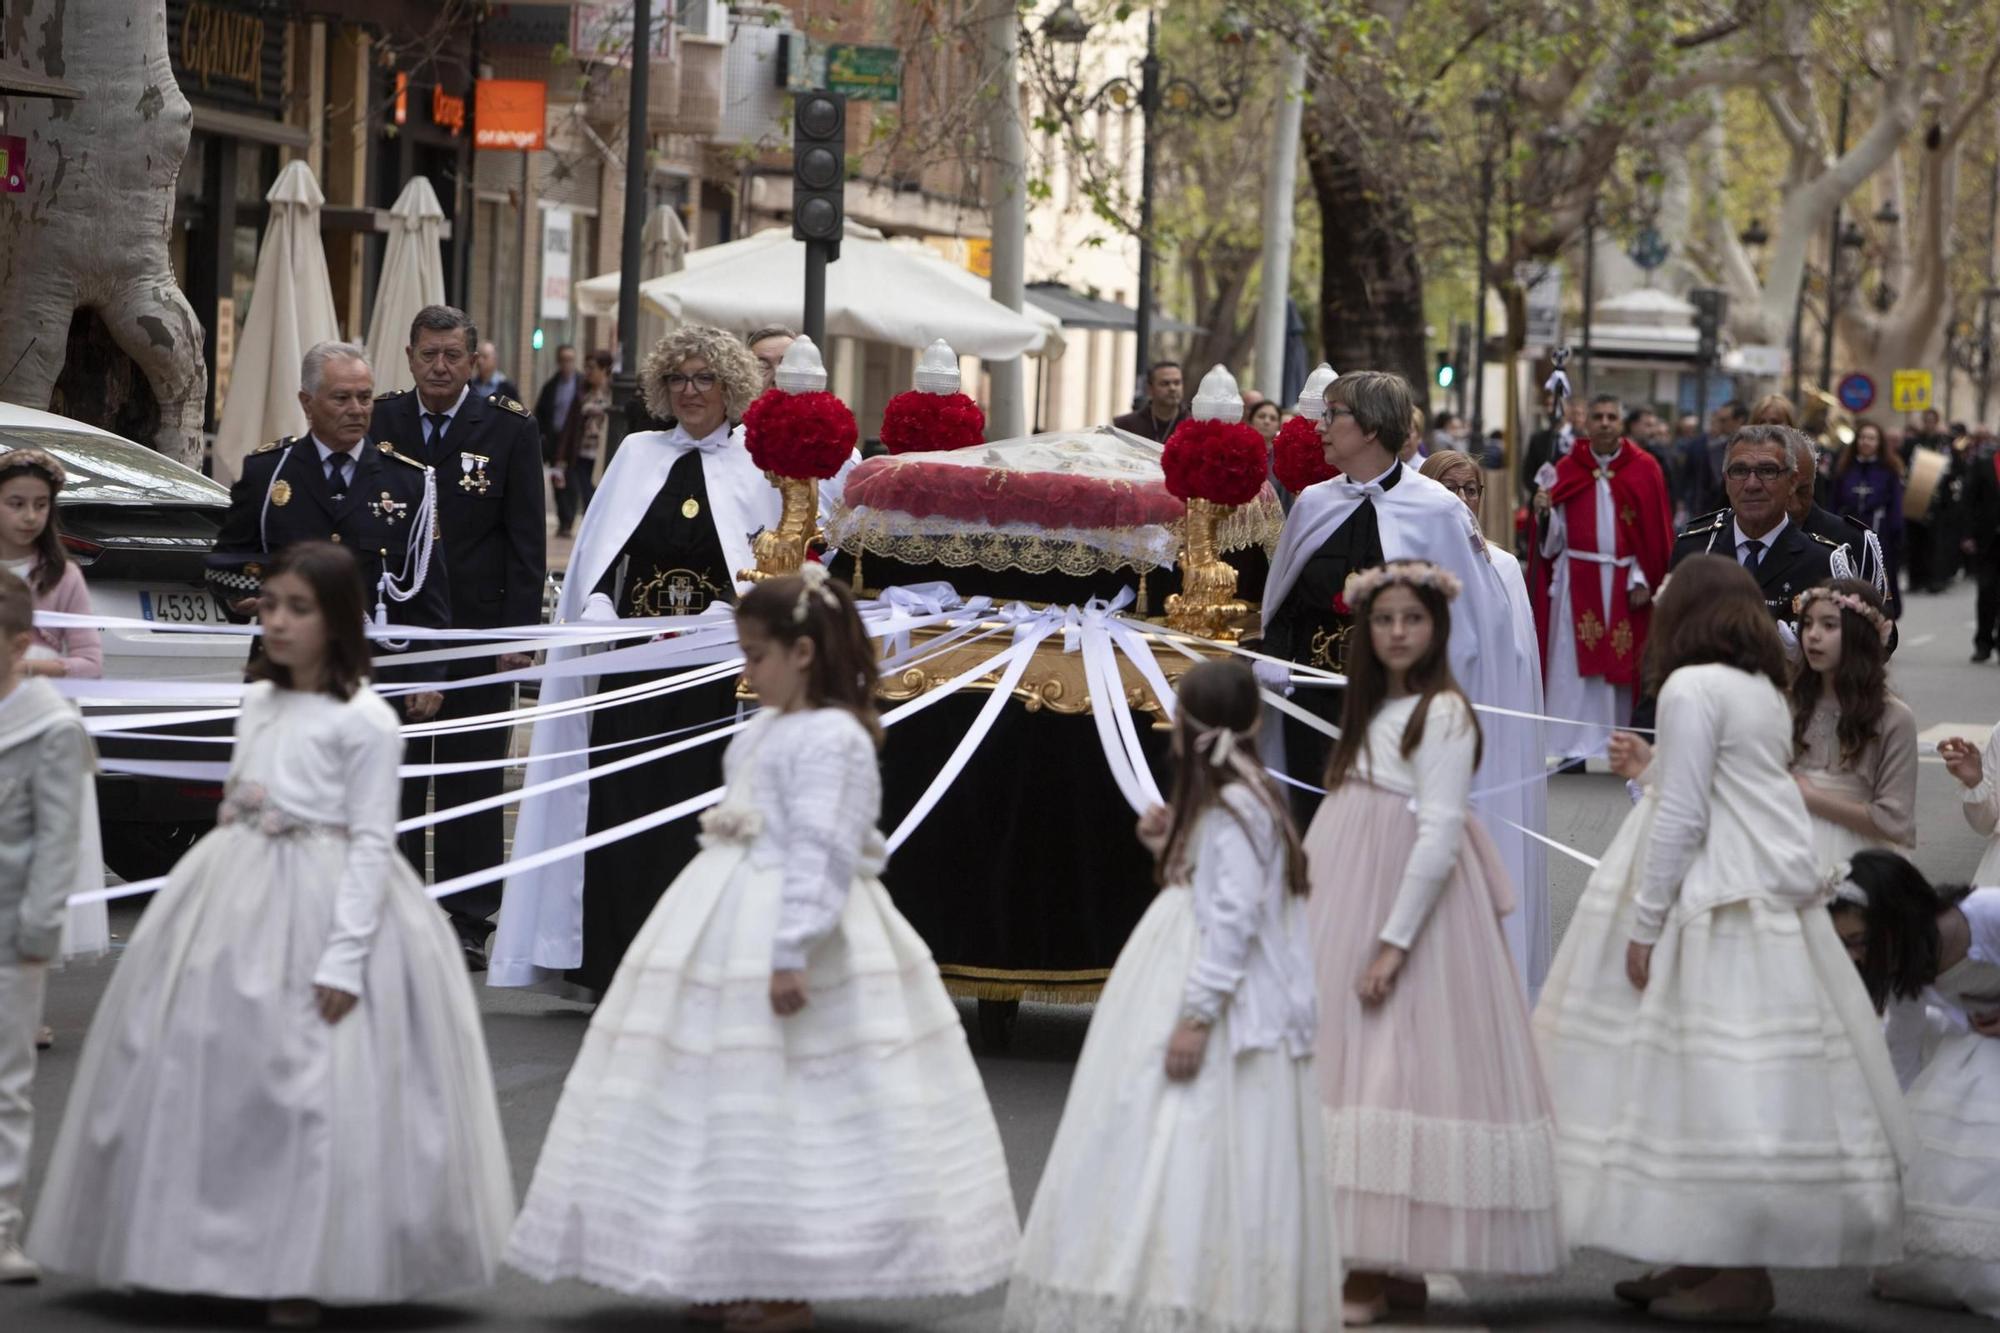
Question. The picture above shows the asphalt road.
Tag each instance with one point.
(533, 1039)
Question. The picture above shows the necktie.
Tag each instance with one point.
(1753, 555)
(438, 422)
(336, 472)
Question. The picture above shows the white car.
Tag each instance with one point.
(139, 525)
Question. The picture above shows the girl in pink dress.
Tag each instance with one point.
(1439, 1138)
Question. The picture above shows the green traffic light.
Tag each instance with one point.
(1446, 376)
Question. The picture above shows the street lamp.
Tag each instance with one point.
(1156, 90)
(1486, 106)
(1887, 215)
(1754, 237)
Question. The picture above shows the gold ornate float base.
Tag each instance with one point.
(1207, 603)
(991, 983)
(782, 550)
(1054, 679)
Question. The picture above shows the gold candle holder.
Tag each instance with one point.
(782, 550)
(1206, 604)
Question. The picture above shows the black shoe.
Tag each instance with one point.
(475, 956)
(1982, 654)
(1571, 766)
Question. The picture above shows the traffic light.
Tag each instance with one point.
(1447, 373)
(1711, 307)
(819, 167)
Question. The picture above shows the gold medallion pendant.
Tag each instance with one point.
(690, 507)
(281, 493)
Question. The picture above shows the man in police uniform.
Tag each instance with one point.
(1859, 553)
(333, 484)
(487, 455)
(1756, 530)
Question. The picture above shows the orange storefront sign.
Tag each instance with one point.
(509, 113)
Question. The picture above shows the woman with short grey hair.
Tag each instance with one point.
(667, 536)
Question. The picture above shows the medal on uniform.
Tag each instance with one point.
(281, 493)
(690, 507)
(475, 481)
(389, 508)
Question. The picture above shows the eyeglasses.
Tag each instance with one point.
(701, 379)
(1335, 412)
(1466, 490)
(1764, 472)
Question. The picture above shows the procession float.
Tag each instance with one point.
(1115, 563)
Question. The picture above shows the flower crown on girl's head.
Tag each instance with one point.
(1839, 886)
(33, 460)
(1846, 601)
(1361, 588)
(813, 575)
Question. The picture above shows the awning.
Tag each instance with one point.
(1078, 311)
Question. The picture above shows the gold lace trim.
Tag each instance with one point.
(1078, 552)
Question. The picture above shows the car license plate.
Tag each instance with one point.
(179, 608)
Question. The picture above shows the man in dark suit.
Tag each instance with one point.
(1163, 409)
(1756, 530)
(554, 406)
(333, 484)
(1982, 542)
(1701, 460)
(488, 459)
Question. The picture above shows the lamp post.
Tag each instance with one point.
(1837, 239)
(1486, 107)
(1156, 90)
(638, 141)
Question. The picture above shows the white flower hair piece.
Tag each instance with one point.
(1362, 587)
(1219, 743)
(1846, 601)
(1839, 885)
(813, 575)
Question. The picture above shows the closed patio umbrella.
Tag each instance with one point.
(412, 278)
(291, 308)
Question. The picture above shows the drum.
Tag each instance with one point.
(1927, 469)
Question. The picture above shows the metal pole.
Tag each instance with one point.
(1477, 392)
(815, 312)
(468, 198)
(1007, 409)
(1832, 261)
(1589, 288)
(1986, 297)
(1149, 105)
(638, 142)
(1798, 340)
(1281, 178)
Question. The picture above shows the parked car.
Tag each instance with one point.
(139, 525)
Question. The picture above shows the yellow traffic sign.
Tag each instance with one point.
(1910, 391)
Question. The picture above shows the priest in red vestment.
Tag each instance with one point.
(1603, 549)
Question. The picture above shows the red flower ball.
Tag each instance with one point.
(1221, 462)
(1297, 458)
(799, 434)
(917, 422)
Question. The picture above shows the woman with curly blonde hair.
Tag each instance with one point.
(667, 535)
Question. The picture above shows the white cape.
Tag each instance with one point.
(541, 911)
(1495, 661)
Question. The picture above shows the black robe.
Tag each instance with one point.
(672, 564)
(1309, 630)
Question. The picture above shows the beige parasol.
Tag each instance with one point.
(291, 308)
(412, 278)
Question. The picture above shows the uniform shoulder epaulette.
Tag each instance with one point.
(393, 393)
(501, 400)
(1853, 522)
(390, 450)
(1823, 540)
(1706, 523)
(272, 447)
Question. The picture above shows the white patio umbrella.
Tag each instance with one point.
(412, 278)
(291, 308)
(877, 291)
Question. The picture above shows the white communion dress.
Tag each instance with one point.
(222, 1138)
(1951, 1192)
(706, 1148)
(1741, 1109)
(1199, 1206)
